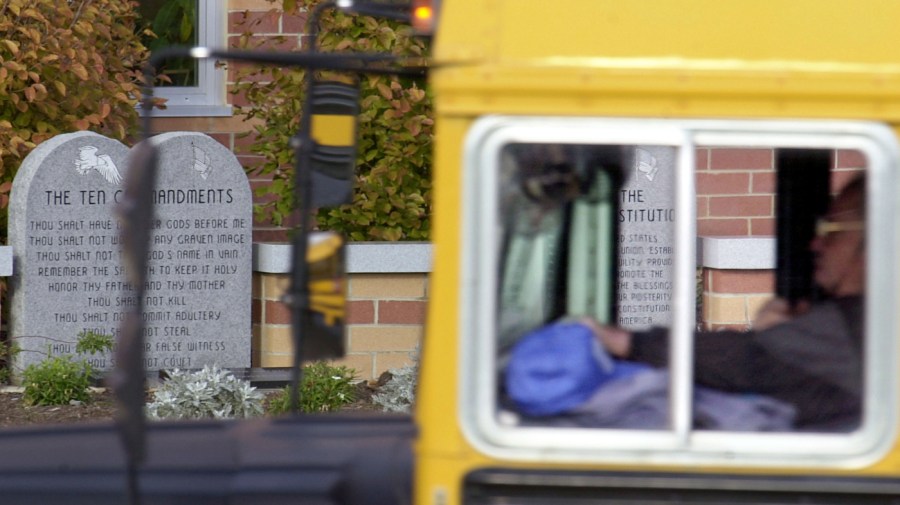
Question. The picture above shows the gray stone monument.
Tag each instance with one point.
(68, 271)
(646, 226)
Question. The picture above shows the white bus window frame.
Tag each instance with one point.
(680, 444)
(207, 98)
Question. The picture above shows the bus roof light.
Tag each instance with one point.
(423, 16)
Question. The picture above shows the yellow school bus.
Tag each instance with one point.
(545, 113)
(518, 82)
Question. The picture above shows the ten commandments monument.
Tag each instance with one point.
(68, 270)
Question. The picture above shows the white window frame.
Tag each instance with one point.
(495, 436)
(207, 99)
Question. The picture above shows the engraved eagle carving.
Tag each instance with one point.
(202, 163)
(647, 164)
(88, 160)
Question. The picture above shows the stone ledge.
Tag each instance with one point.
(733, 253)
(362, 257)
(736, 253)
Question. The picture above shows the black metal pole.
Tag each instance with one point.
(127, 379)
(803, 177)
(303, 144)
(297, 297)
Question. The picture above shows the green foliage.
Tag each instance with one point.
(90, 342)
(392, 198)
(210, 393)
(8, 352)
(64, 66)
(172, 24)
(326, 388)
(59, 380)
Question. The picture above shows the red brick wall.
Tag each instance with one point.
(731, 298)
(736, 189)
(271, 29)
(257, 22)
(736, 197)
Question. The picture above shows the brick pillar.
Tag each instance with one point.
(386, 320)
(271, 347)
(738, 277)
(387, 293)
(731, 298)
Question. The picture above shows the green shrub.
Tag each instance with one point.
(8, 352)
(64, 66)
(392, 197)
(210, 393)
(60, 380)
(326, 388)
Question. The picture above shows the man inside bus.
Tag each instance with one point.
(808, 356)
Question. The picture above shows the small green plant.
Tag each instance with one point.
(8, 352)
(60, 380)
(210, 393)
(326, 388)
(399, 393)
(90, 342)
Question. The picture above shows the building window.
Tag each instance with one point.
(197, 87)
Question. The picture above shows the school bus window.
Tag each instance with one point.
(582, 276)
(566, 217)
(558, 224)
(569, 242)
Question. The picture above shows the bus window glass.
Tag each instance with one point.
(680, 289)
(586, 293)
(574, 225)
(800, 344)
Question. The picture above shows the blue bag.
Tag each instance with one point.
(557, 367)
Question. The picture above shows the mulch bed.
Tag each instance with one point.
(102, 407)
(14, 412)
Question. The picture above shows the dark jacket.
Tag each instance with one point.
(813, 362)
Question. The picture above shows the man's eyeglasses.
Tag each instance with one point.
(825, 227)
